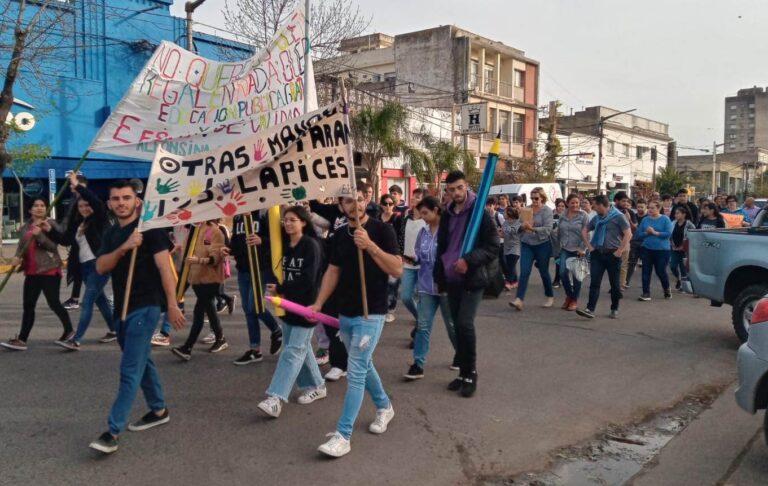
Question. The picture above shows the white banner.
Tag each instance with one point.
(303, 159)
(189, 104)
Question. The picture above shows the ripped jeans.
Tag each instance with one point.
(360, 336)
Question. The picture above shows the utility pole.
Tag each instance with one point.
(600, 146)
(190, 7)
(551, 165)
(714, 168)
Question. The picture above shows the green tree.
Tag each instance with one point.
(383, 132)
(669, 180)
(438, 156)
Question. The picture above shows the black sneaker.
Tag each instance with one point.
(667, 294)
(69, 344)
(556, 285)
(469, 386)
(414, 373)
(109, 337)
(276, 342)
(221, 306)
(106, 443)
(231, 304)
(71, 304)
(249, 357)
(679, 286)
(455, 363)
(182, 353)
(588, 313)
(218, 345)
(455, 385)
(644, 297)
(151, 419)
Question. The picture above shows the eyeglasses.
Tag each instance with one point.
(535, 199)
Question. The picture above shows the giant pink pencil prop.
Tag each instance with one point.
(303, 311)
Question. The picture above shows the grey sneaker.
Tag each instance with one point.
(614, 314)
(588, 313)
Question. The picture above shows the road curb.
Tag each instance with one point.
(705, 450)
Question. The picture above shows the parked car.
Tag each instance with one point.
(752, 393)
(730, 266)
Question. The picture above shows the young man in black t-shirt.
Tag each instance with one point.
(360, 335)
(153, 291)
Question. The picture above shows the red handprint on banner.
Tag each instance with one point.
(179, 216)
(235, 200)
(258, 151)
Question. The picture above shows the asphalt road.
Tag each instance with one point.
(547, 378)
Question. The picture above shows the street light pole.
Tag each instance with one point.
(190, 7)
(714, 166)
(600, 146)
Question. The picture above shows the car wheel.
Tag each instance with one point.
(743, 306)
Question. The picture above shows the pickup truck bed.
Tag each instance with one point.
(730, 266)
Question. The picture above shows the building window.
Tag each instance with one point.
(639, 151)
(751, 115)
(504, 125)
(492, 122)
(611, 147)
(732, 146)
(751, 106)
(733, 127)
(519, 78)
(473, 74)
(490, 81)
(733, 107)
(390, 76)
(518, 128)
(625, 149)
(733, 117)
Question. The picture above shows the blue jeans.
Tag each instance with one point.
(249, 308)
(600, 263)
(136, 366)
(360, 336)
(676, 264)
(408, 290)
(428, 305)
(297, 363)
(571, 285)
(541, 254)
(658, 260)
(94, 294)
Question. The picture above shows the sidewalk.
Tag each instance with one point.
(711, 449)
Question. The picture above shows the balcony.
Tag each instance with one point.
(495, 87)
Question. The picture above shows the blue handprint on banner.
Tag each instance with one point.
(149, 212)
(226, 187)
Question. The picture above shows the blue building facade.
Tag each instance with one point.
(89, 72)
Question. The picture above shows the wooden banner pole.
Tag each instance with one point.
(353, 184)
(253, 264)
(129, 282)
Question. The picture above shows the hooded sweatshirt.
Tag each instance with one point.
(456, 228)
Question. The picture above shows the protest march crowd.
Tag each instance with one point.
(275, 192)
(410, 254)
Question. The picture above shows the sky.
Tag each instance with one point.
(673, 60)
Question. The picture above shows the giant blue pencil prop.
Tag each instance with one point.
(473, 228)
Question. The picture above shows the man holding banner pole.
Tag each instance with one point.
(154, 290)
(360, 334)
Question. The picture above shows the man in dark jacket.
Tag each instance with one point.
(682, 200)
(464, 277)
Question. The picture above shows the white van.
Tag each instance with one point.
(551, 189)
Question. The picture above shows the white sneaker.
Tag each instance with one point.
(390, 317)
(337, 446)
(160, 340)
(310, 396)
(383, 417)
(548, 302)
(209, 339)
(335, 374)
(271, 406)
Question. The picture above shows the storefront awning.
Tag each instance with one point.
(92, 169)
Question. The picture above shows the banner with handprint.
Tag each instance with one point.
(301, 160)
(188, 104)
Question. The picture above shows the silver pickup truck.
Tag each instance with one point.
(730, 266)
